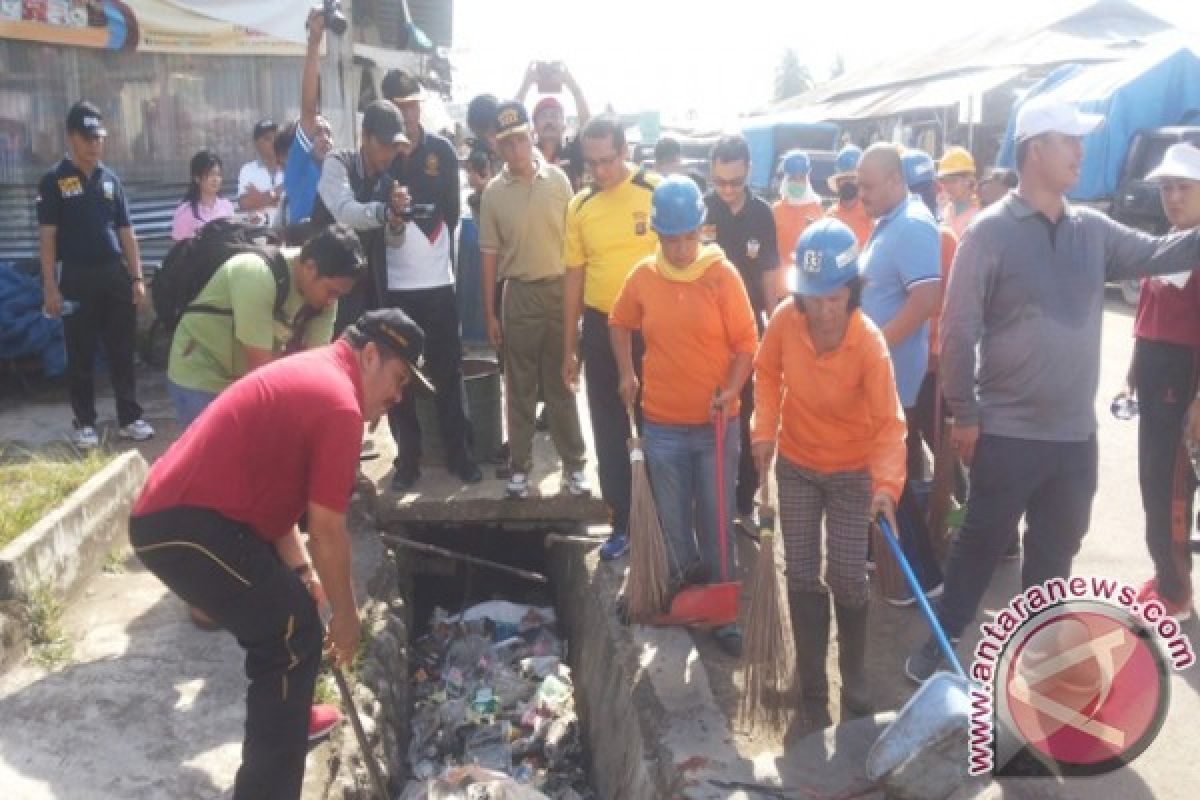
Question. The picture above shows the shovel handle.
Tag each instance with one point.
(377, 780)
(915, 587)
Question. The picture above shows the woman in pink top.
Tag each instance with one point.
(201, 203)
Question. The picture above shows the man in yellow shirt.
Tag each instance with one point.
(608, 233)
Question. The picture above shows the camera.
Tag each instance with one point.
(335, 20)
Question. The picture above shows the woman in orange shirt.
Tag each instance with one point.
(695, 317)
(826, 393)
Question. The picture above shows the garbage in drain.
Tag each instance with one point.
(494, 709)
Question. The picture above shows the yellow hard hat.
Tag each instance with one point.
(956, 161)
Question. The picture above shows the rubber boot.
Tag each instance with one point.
(852, 652)
(810, 631)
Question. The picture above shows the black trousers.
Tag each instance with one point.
(221, 567)
(1052, 484)
(436, 312)
(107, 315)
(1164, 376)
(610, 422)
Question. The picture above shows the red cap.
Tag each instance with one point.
(544, 104)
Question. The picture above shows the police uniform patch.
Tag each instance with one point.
(70, 186)
(641, 223)
(109, 190)
(752, 247)
(431, 165)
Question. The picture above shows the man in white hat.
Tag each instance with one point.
(1163, 375)
(1027, 293)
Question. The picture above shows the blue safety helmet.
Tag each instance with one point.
(847, 159)
(677, 206)
(796, 164)
(826, 259)
(918, 168)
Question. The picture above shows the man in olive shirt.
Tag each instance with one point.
(234, 328)
(523, 216)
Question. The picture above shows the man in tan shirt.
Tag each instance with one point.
(521, 241)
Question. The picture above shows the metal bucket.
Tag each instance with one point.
(481, 381)
(922, 755)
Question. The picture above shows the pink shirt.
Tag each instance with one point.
(185, 223)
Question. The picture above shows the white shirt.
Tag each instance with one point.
(420, 263)
(255, 173)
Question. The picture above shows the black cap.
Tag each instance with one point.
(265, 126)
(395, 330)
(84, 118)
(383, 123)
(511, 117)
(400, 86)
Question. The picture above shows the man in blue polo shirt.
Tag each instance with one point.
(84, 223)
(420, 282)
(901, 265)
(314, 135)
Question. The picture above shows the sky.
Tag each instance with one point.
(709, 58)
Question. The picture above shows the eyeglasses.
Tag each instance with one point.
(732, 183)
(607, 161)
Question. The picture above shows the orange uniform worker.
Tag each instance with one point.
(825, 391)
(695, 316)
(844, 183)
(798, 205)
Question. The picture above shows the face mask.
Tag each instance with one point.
(847, 193)
(795, 190)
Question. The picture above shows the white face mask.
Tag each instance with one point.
(794, 191)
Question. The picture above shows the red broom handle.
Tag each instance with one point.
(722, 532)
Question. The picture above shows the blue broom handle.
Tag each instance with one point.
(919, 594)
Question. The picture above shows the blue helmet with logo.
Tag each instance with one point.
(918, 167)
(847, 159)
(795, 164)
(826, 259)
(677, 206)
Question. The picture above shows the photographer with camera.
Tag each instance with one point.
(549, 118)
(355, 189)
(420, 282)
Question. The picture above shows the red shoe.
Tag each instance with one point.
(1182, 612)
(322, 719)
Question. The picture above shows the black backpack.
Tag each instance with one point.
(190, 264)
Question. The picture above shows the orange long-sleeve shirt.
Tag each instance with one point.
(856, 218)
(692, 331)
(790, 222)
(834, 412)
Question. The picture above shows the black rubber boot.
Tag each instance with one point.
(852, 652)
(810, 631)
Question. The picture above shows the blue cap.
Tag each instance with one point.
(918, 168)
(677, 206)
(847, 159)
(826, 259)
(796, 164)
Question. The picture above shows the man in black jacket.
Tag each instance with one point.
(420, 281)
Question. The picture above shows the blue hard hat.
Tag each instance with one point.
(677, 206)
(826, 259)
(918, 168)
(847, 159)
(795, 164)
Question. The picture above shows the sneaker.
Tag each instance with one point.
(85, 438)
(542, 423)
(137, 430)
(616, 546)
(517, 486)
(921, 665)
(576, 483)
(322, 719)
(1182, 612)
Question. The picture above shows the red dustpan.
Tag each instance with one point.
(714, 604)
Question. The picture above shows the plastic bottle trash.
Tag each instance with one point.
(553, 695)
(69, 307)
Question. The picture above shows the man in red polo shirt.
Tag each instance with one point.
(216, 522)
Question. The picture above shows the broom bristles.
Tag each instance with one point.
(646, 591)
(768, 662)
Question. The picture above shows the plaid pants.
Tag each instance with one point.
(843, 499)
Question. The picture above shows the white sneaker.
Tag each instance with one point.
(576, 483)
(137, 430)
(85, 438)
(517, 486)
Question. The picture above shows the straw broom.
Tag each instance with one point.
(768, 662)
(646, 591)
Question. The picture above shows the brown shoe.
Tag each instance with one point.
(203, 621)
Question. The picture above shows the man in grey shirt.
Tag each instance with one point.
(1020, 362)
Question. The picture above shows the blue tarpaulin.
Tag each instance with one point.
(24, 330)
(1149, 90)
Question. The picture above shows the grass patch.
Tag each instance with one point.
(32, 486)
(51, 647)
